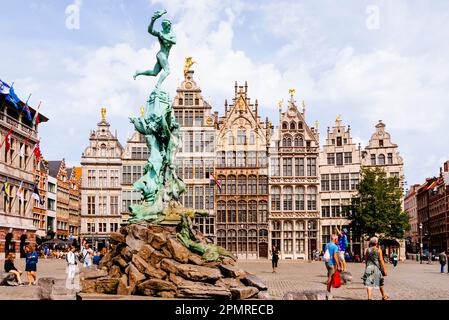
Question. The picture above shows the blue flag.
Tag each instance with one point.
(27, 109)
(12, 97)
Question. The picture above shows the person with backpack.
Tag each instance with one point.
(332, 263)
(443, 260)
(343, 244)
(86, 256)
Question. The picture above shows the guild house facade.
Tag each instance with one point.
(293, 181)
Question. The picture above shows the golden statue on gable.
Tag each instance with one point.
(188, 64)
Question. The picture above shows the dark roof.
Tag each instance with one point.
(69, 172)
(53, 168)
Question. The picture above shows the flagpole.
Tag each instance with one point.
(4, 140)
(25, 142)
(3, 104)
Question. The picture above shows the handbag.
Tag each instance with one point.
(336, 279)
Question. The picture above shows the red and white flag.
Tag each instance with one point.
(218, 182)
(37, 152)
(8, 140)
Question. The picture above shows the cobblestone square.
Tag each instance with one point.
(408, 281)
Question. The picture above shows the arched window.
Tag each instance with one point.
(252, 139)
(381, 159)
(287, 194)
(284, 125)
(299, 142)
(288, 226)
(221, 158)
(299, 198)
(232, 184)
(287, 141)
(222, 179)
(232, 215)
(276, 198)
(103, 150)
(241, 137)
(221, 238)
(252, 184)
(230, 138)
(252, 212)
(263, 233)
(221, 212)
(242, 217)
(232, 240)
(292, 125)
(243, 240)
(263, 212)
(300, 127)
(241, 185)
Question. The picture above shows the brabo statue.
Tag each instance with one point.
(160, 186)
(166, 39)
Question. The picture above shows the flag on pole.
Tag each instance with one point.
(22, 150)
(12, 97)
(36, 194)
(37, 152)
(5, 189)
(218, 182)
(27, 109)
(4, 87)
(21, 192)
(36, 116)
(8, 141)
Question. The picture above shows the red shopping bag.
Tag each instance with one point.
(336, 280)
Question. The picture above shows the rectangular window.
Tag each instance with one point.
(345, 181)
(137, 173)
(390, 158)
(325, 182)
(299, 167)
(339, 159)
(339, 141)
(209, 191)
(102, 203)
(252, 157)
(114, 204)
(348, 157)
(325, 211)
(199, 144)
(354, 181)
(275, 201)
(199, 198)
(188, 99)
(91, 205)
(287, 167)
(199, 115)
(199, 169)
(115, 178)
(326, 234)
(311, 167)
(127, 175)
(335, 182)
(209, 143)
(331, 158)
(275, 167)
(373, 159)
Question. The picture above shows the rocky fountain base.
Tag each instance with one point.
(148, 259)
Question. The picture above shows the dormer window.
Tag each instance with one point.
(339, 142)
(292, 126)
(381, 143)
(284, 126)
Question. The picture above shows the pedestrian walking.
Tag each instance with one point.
(342, 246)
(331, 262)
(96, 259)
(10, 268)
(443, 260)
(394, 258)
(31, 261)
(375, 270)
(46, 251)
(86, 256)
(274, 257)
(71, 267)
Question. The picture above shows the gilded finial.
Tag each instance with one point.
(338, 118)
(142, 111)
(103, 114)
(280, 102)
(316, 124)
(291, 91)
(188, 64)
(303, 103)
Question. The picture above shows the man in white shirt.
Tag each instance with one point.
(71, 268)
(86, 254)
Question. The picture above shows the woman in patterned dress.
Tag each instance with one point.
(375, 269)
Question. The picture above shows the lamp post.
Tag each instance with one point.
(420, 244)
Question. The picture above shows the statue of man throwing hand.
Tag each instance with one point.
(166, 39)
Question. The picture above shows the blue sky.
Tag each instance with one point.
(338, 61)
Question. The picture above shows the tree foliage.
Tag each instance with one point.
(376, 209)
